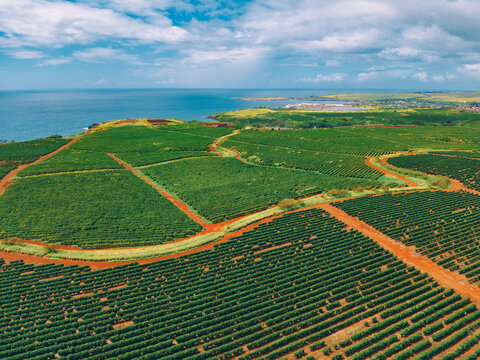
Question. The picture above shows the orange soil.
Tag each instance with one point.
(6, 180)
(213, 147)
(444, 277)
(386, 172)
(457, 186)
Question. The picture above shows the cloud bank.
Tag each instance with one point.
(301, 43)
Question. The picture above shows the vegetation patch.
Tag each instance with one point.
(72, 160)
(91, 210)
(14, 154)
(225, 188)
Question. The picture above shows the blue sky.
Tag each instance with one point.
(350, 44)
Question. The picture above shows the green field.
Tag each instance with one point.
(303, 281)
(293, 286)
(221, 189)
(442, 226)
(142, 139)
(321, 119)
(148, 158)
(72, 160)
(310, 160)
(465, 170)
(15, 154)
(91, 210)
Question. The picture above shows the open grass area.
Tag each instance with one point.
(91, 210)
(422, 97)
(221, 189)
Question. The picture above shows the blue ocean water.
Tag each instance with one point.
(28, 115)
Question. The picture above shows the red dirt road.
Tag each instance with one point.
(6, 180)
(386, 172)
(444, 277)
(182, 206)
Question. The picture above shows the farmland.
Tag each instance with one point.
(259, 117)
(221, 189)
(463, 169)
(313, 279)
(72, 160)
(91, 210)
(441, 225)
(232, 243)
(15, 154)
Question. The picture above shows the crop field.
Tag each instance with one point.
(314, 282)
(142, 139)
(377, 266)
(221, 189)
(148, 158)
(72, 160)
(91, 210)
(442, 226)
(322, 119)
(467, 154)
(15, 154)
(462, 169)
(334, 141)
(325, 163)
(366, 141)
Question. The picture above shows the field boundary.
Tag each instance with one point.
(7, 180)
(408, 255)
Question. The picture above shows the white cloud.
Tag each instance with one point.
(263, 41)
(341, 42)
(325, 78)
(41, 22)
(55, 61)
(470, 70)
(225, 56)
(333, 63)
(25, 54)
(371, 76)
(97, 55)
(100, 82)
(422, 76)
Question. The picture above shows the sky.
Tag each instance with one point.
(351, 44)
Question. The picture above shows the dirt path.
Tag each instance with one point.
(218, 141)
(386, 172)
(456, 185)
(179, 204)
(7, 179)
(444, 277)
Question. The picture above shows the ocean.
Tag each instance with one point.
(26, 115)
